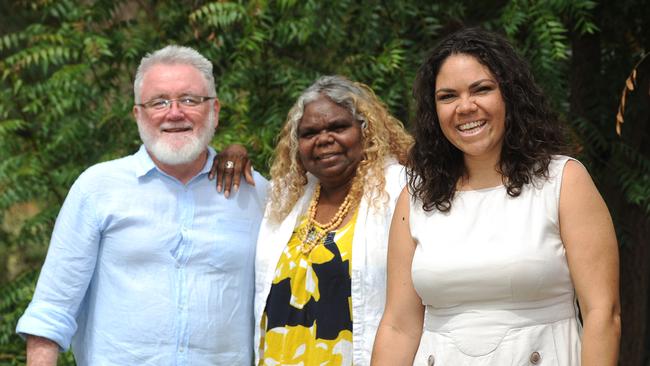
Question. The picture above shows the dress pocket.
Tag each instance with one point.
(533, 345)
(234, 244)
(527, 346)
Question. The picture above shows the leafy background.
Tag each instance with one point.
(66, 73)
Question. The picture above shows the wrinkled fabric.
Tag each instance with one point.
(143, 270)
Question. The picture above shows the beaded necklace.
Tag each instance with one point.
(310, 237)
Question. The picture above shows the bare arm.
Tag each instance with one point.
(41, 351)
(592, 253)
(400, 329)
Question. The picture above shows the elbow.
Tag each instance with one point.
(605, 321)
(616, 324)
(614, 320)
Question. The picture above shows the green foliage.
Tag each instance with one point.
(15, 297)
(66, 73)
(539, 28)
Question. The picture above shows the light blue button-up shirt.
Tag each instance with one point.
(143, 270)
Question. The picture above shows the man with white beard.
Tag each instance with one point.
(147, 265)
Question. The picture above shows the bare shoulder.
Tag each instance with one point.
(578, 188)
(584, 218)
(575, 174)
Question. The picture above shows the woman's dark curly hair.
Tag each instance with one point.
(533, 133)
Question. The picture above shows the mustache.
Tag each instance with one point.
(173, 125)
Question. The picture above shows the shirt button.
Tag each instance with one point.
(431, 361)
(535, 357)
(181, 349)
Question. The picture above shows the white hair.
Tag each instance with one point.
(339, 90)
(172, 55)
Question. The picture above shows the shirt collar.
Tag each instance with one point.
(144, 163)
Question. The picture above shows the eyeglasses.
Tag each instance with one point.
(186, 101)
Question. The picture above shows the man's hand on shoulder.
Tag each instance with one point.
(41, 351)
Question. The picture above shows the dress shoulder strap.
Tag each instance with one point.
(555, 173)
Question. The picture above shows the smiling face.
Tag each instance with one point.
(470, 107)
(329, 142)
(179, 134)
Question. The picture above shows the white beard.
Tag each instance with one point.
(172, 154)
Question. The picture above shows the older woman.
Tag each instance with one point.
(498, 232)
(321, 253)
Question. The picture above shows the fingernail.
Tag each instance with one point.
(210, 176)
(219, 188)
(235, 188)
(226, 193)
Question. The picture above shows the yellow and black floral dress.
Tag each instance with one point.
(308, 314)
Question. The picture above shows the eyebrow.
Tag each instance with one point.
(331, 124)
(340, 121)
(168, 96)
(472, 85)
(479, 82)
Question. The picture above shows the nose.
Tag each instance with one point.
(174, 111)
(466, 105)
(324, 138)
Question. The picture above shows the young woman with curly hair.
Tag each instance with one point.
(498, 234)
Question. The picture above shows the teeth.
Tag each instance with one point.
(470, 125)
(175, 127)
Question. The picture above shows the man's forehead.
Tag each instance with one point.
(178, 77)
(171, 69)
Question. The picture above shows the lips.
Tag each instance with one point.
(468, 126)
(175, 128)
(326, 156)
(471, 127)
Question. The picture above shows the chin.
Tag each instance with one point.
(169, 155)
(336, 174)
(176, 152)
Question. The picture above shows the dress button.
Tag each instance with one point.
(431, 360)
(535, 357)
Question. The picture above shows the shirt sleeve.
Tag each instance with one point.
(66, 273)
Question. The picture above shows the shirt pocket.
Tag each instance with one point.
(233, 247)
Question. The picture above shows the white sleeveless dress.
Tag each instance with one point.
(493, 275)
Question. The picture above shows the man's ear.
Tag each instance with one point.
(217, 107)
(135, 112)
